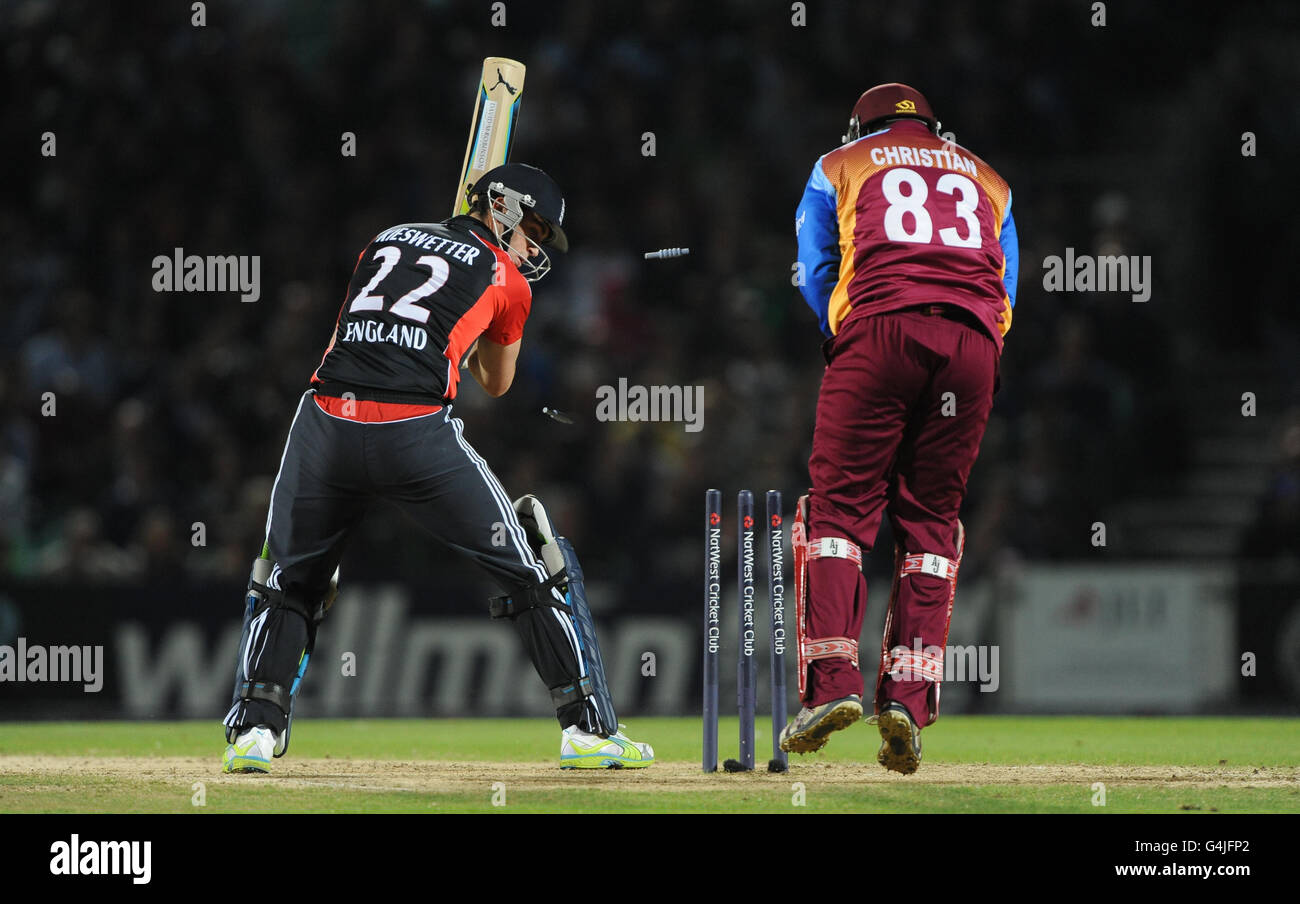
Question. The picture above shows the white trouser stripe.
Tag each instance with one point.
(516, 530)
(509, 519)
(521, 541)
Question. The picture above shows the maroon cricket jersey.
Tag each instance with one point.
(900, 218)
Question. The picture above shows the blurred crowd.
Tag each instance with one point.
(140, 431)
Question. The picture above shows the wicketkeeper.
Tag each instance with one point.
(376, 423)
(910, 258)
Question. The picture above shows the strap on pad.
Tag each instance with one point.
(564, 694)
(929, 563)
(268, 691)
(835, 548)
(830, 648)
(536, 597)
(908, 664)
(273, 598)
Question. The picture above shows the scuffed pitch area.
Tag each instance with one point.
(46, 772)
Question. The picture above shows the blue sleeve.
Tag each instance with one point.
(1011, 251)
(816, 226)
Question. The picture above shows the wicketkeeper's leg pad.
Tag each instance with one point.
(805, 551)
(901, 662)
(571, 681)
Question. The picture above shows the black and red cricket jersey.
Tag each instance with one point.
(420, 295)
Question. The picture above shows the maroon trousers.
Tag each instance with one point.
(890, 440)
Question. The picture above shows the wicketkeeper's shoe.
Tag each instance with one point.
(900, 739)
(582, 750)
(251, 752)
(812, 728)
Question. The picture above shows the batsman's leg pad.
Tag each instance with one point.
(564, 590)
(805, 550)
(279, 634)
(576, 597)
(900, 661)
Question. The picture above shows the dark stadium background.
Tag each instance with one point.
(172, 408)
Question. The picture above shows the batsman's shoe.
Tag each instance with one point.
(812, 728)
(900, 739)
(582, 750)
(251, 752)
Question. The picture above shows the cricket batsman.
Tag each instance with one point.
(425, 299)
(910, 259)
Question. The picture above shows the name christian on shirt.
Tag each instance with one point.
(894, 155)
(406, 335)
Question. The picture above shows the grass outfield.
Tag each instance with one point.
(973, 764)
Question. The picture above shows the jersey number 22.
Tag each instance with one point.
(406, 305)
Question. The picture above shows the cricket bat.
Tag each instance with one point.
(492, 131)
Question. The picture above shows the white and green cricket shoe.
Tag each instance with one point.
(251, 752)
(582, 750)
